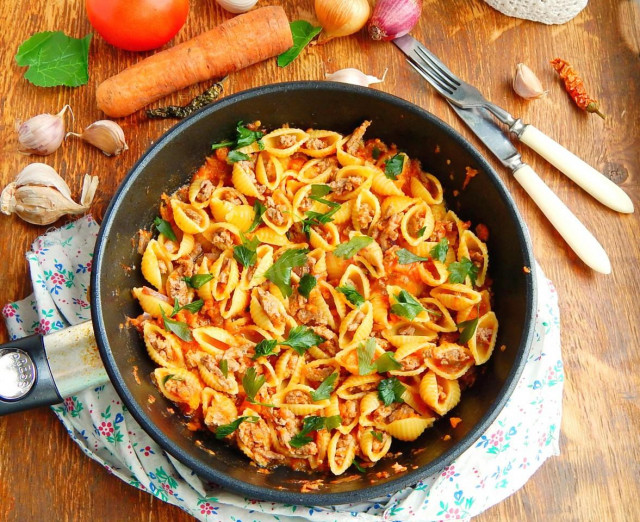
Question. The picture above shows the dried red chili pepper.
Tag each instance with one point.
(575, 86)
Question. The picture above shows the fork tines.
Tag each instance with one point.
(434, 71)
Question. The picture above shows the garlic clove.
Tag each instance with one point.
(41, 174)
(355, 77)
(526, 84)
(42, 134)
(237, 6)
(106, 135)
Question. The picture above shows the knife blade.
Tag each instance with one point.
(577, 236)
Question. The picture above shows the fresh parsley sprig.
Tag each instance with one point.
(177, 327)
(468, 330)
(265, 348)
(352, 247)
(311, 424)
(244, 137)
(301, 338)
(193, 307)
(227, 429)
(252, 382)
(352, 295)
(245, 254)
(405, 257)
(406, 306)
(393, 167)
(459, 271)
(307, 283)
(387, 362)
(390, 391)
(280, 272)
(365, 353)
(323, 391)
(164, 227)
(198, 280)
(258, 210)
(440, 250)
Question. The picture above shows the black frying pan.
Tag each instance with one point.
(170, 163)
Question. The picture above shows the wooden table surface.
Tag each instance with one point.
(45, 476)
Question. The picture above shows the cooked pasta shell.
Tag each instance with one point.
(349, 414)
(152, 302)
(356, 278)
(297, 398)
(214, 340)
(321, 309)
(407, 429)
(255, 334)
(348, 358)
(369, 404)
(317, 171)
(176, 251)
(223, 200)
(440, 394)
(235, 305)
(456, 296)
(365, 211)
(341, 452)
(356, 326)
(326, 237)
(269, 170)
(433, 272)
(477, 310)
(450, 360)
(268, 312)
(223, 235)
(301, 203)
(416, 218)
(289, 367)
(408, 335)
(380, 305)
(204, 291)
(371, 447)
(440, 319)
(351, 180)
(177, 288)
(200, 192)
(244, 180)
(279, 213)
(218, 408)
(189, 219)
(335, 266)
(156, 264)
(323, 437)
(241, 217)
(357, 386)
(226, 276)
(163, 347)
(472, 248)
(428, 188)
(328, 348)
(271, 237)
(412, 358)
(381, 184)
(344, 157)
(179, 385)
(396, 205)
(213, 377)
(321, 143)
(283, 142)
(343, 215)
(483, 341)
(254, 275)
(316, 371)
(372, 258)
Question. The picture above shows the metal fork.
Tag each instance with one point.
(467, 96)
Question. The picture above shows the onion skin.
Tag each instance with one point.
(394, 18)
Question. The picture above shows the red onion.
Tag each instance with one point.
(394, 18)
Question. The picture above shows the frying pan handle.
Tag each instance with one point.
(39, 371)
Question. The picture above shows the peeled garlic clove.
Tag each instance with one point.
(106, 135)
(355, 77)
(42, 134)
(526, 84)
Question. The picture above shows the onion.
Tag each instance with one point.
(342, 17)
(394, 18)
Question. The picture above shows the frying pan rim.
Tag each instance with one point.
(252, 491)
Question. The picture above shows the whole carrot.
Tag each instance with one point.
(239, 42)
(575, 86)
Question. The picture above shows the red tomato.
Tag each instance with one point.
(137, 25)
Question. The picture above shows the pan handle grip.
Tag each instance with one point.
(39, 371)
(26, 380)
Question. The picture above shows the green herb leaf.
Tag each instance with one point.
(320, 191)
(307, 283)
(227, 429)
(265, 347)
(299, 440)
(177, 327)
(280, 272)
(251, 382)
(301, 338)
(406, 306)
(314, 423)
(193, 307)
(331, 423)
(245, 254)
(358, 466)
(235, 155)
(224, 367)
(365, 353)
(405, 257)
(54, 59)
(352, 295)
(198, 280)
(352, 247)
(164, 227)
(326, 387)
(394, 166)
(390, 391)
(377, 435)
(258, 209)
(458, 272)
(303, 32)
(375, 153)
(171, 376)
(387, 362)
(439, 251)
(316, 219)
(468, 330)
(222, 144)
(247, 136)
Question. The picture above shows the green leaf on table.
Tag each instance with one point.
(302, 32)
(301, 338)
(390, 391)
(406, 306)
(440, 251)
(352, 247)
(54, 59)
(280, 272)
(459, 271)
(164, 227)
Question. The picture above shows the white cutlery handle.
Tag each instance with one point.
(595, 183)
(565, 222)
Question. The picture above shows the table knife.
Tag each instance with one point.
(577, 236)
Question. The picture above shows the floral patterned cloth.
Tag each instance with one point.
(523, 436)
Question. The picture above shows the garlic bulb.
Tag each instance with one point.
(355, 77)
(340, 18)
(42, 134)
(40, 196)
(106, 135)
(526, 84)
(237, 6)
